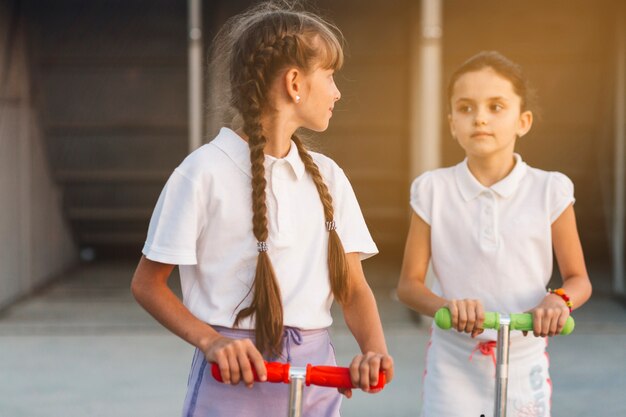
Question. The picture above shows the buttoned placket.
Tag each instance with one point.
(488, 220)
(280, 179)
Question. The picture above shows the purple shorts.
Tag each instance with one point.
(209, 398)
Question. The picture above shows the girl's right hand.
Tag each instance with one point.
(467, 315)
(365, 369)
(236, 358)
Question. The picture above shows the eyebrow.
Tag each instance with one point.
(497, 98)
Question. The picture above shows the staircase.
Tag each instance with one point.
(110, 81)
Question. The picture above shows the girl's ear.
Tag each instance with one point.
(293, 84)
(452, 132)
(525, 123)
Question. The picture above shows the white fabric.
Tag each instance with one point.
(459, 380)
(203, 222)
(493, 244)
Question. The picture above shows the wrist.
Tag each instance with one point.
(375, 347)
(559, 292)
(205, 341)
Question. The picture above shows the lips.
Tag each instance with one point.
(479, 134)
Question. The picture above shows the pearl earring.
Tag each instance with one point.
(297, 99)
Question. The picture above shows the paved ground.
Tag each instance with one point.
(82, 347)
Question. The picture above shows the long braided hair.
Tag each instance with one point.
(266, 40)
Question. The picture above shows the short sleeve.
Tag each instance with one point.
(176, 222)
(351, 225)
(561, 194)
(422, 196)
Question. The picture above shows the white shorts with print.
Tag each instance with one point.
(459, 377)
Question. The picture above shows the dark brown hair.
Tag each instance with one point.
(503, 67)
(266, 40)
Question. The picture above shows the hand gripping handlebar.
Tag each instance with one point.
(519, 321)
(324, 376)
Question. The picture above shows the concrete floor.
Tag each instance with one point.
(83, 347)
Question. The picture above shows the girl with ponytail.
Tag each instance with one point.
(265, 233)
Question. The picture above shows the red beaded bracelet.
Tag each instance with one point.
(561, 293)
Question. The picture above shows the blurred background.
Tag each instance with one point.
(101, 99)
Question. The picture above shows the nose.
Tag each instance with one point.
(480, 119)
(337, 94)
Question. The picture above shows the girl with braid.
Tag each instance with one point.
(265, 233)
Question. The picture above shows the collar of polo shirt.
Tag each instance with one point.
(237, 150)
(471, 188)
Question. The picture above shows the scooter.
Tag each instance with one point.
(503, 323)
(298, 377)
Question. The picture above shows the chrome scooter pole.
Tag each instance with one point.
(502, 367)
(297, 377)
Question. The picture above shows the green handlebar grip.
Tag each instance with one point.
(519, 321)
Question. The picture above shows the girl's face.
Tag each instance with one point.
(486, 116)
(317, 99)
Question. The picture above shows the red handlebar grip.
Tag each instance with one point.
(337, 377)
(276, 372)
(215, 371)
(324, 376)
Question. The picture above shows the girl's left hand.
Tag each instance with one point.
(549, 316)
(364, 371)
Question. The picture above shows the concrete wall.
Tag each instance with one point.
(35, 241)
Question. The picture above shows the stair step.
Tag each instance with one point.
(108, 214)
(54, 63)
(114, 95)
(116, 150)
(94, 129)
(115, 30)
(111, 238)
(118, 195)
(118, 176)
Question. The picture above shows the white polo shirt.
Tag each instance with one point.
(203, 222)
(492, 243)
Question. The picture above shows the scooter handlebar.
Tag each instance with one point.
(325, 376)
(276, 372)
(519, 321)
(336, 376)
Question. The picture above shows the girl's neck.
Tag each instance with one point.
(278, 144)
(278, 136)
(278, 129)
(489, 171)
